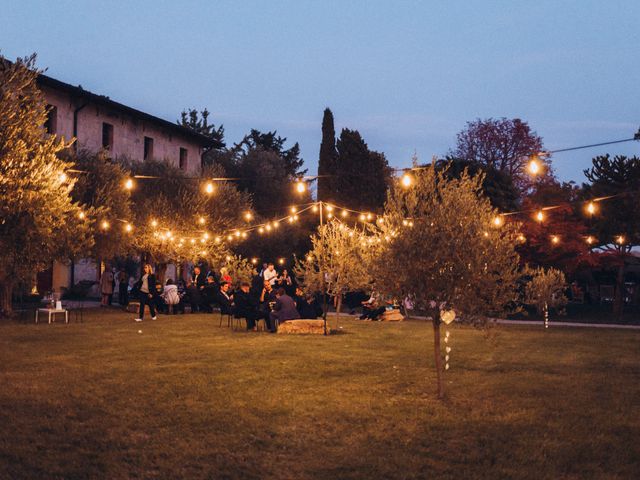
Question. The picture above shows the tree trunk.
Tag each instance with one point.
(6, 294)
(338, 307)
(438, 353)
(161, 272)
(618, 302)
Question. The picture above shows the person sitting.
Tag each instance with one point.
(245, 306)
(270, 274)
(283, 310)
(224, 299)
(225, 277)
(209, 295)
(171, 297)
(369, 305)
(266, 300)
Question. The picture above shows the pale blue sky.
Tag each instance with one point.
(406, 74)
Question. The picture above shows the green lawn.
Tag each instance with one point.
(187, 399)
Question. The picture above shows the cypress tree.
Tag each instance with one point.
(328, 157)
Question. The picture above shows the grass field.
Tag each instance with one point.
(187, 399)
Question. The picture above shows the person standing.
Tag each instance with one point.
(147, 291)
(270, 275)
(123, 288)
(106, 286)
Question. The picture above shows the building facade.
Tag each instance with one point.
(97, 122)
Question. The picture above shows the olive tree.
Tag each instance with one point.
(446, 250)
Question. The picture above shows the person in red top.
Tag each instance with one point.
(224, 276)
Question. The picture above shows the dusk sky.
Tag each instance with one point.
(407, 75)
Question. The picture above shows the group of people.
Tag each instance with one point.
(271, 296)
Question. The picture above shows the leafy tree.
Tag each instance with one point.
(101, 186)
(328, 157)
(174, 220)
(504, 144)
(559, 239)
(362, 176)
(497, 186)
(199, 121)
(39, 222)
(444, 250)
(545, 290)
(272, 142)
(616, 224)
(339, 261)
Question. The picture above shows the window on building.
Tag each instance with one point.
(183, 158)
(148, 148)
(51, 125)
(107, 136)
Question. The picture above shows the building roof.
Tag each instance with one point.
(204, 141)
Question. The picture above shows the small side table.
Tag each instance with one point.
(52, 312)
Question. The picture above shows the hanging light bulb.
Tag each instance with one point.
(344, 213)
(237, 233)
(276, 224)
(540, 216)
(281, 261)
(300, 186)
(498, 221)
(620, 239)
(591, 208)
(154, 223)
(229, 237)
(201, 220)
(218, 239)
(329, 208)
(534, 167)
(254, 261)
(261, 230)
(314, 209)
(63, 177)
(81, 215)
(244, 234)
(104, 225)
(590, 240)
(209, 188)
(248, 216)
(555, 239)
(128, 184)
(268, 227)
(521, 238)
(362, 217)
(406, 180)
(205, 235)
(369, 216)
(128, 228)
(294, 210)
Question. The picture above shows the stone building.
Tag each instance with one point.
(97, 122)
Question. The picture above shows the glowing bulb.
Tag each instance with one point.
(229, 237)
(202, 240)
(309, 258)
(193, 240)
(268, 227)
(406, 180)
(62, 177)
(555, 239)
(128, 227)
(104, 225)
(521, 238)
(295, 217)
(620, 239)
(362, 217)
(301, 187)
(237, 233)
(248, 216)
(405, 222)
(254, 261)
(294, 210)
(205, 236)
(154, 223)
(498, 221)
(329, 215)
(411, 223)
(344, 213)
(276, 224)
(314, 209)
(281, 261)
(228, 258)
(591, 208)
(290, 219)
(128, 184)
(81, 215)
(540, 216)
(534, 167)
(244, 234)
(369, 216)
(218, 239)
(209, 188)
(201, 220)
(329, 208)
(261, 230)
(590, 240)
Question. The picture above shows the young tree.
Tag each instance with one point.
(444, 250)
(339, 261)
(361, 176)
(199, 121)
(101, 185)
(328, 157)
(616, 223)
(505, 144)
(39, 222)
(545, 290)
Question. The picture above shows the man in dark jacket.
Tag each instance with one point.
(245, 305)
(146, 287)
(224, 299)
(284, 309)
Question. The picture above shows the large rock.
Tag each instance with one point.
(302, 326)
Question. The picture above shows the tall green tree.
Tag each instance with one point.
(362, 176)
(328, 157)
(616, 223)
(199, 122)
(441, 244)
(39, 221)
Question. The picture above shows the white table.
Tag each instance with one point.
(52, 312)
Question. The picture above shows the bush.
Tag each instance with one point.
(79, 291)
